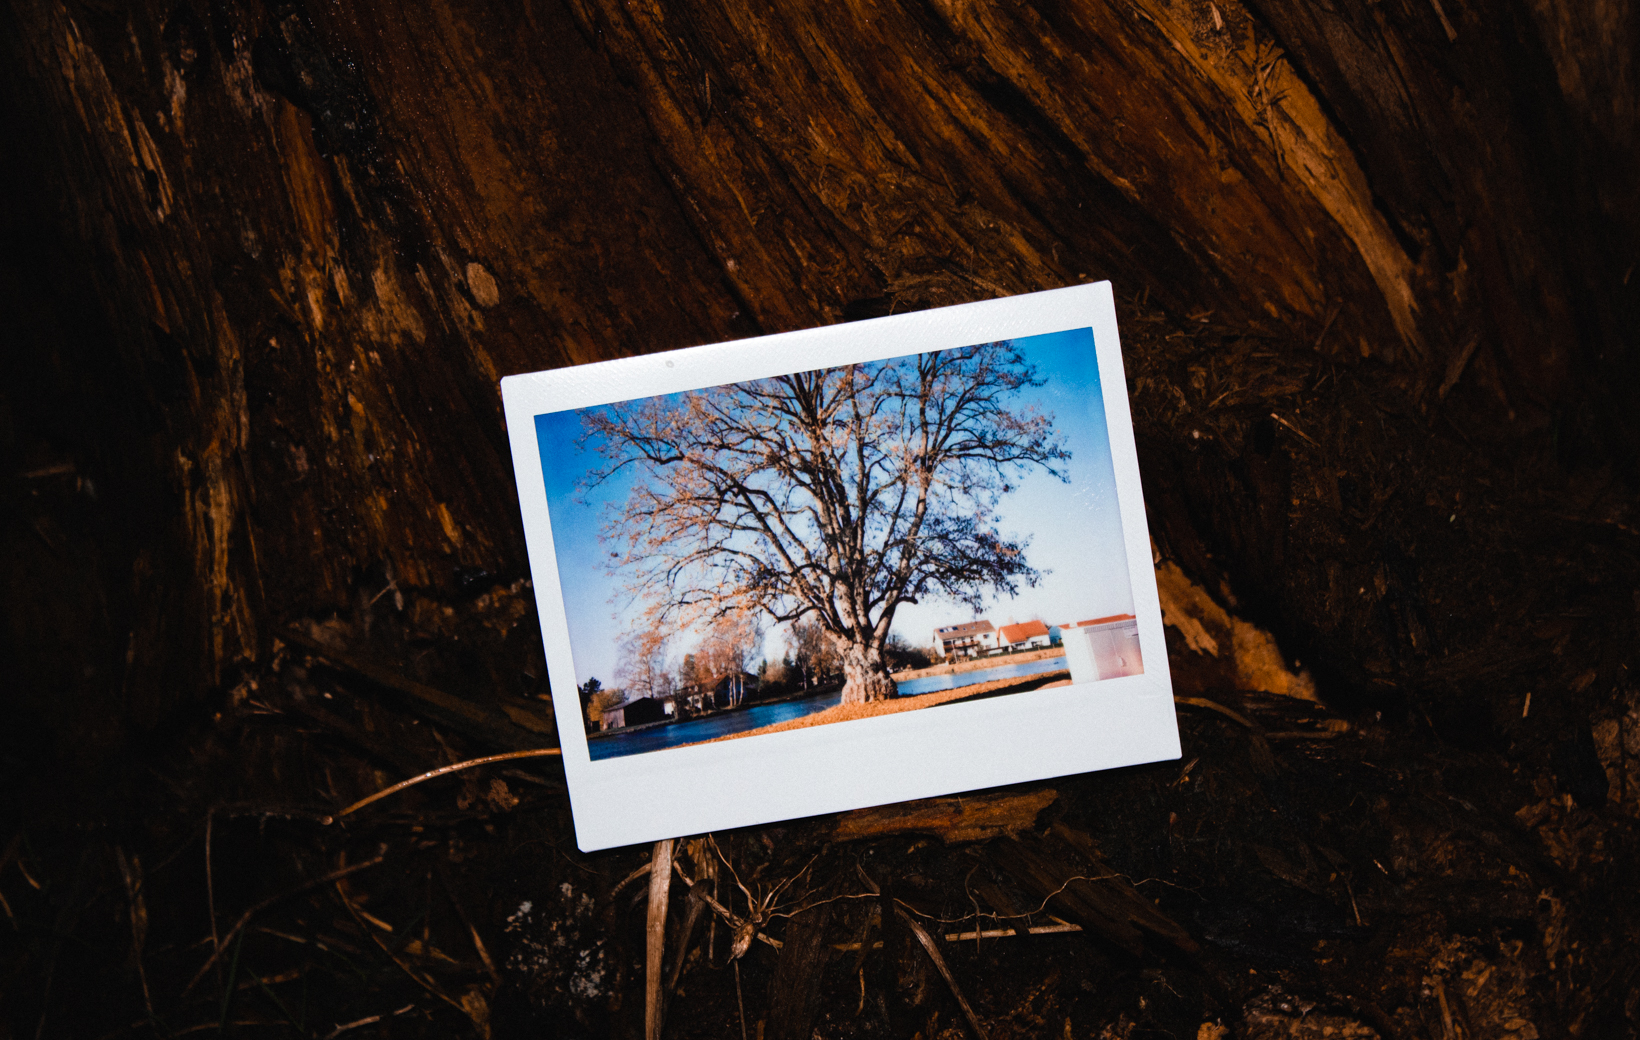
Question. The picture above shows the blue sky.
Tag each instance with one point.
(1075, 529)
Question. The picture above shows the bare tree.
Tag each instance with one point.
(839, 493)
(643, 663)
(812, 650)
(726, 651)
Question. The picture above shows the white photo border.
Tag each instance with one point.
(1035, 735)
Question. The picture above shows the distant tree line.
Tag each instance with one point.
(730, 648)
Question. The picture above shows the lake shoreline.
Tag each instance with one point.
(986, 677)
(874, 709)
(979, 664)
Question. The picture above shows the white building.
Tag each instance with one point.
(966, 640)
(1102, 648)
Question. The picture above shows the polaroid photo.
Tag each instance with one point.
(842, 567)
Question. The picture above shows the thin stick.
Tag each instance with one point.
(1003, 933)
(660, 888)
(1337, 308)
(210, 889)
(22, 865)
(1351, 890)
(751, 902)
(1451, 33)
(1454, 369)
(370, 1020)
(740, 1003)
(1446, 1009)
(1203, 702)
(989, 933)
(353, 911)
(783, 885)
(131, 874)
(244, 918)
(219, 1026)
(461, 912)
(939, 962)
(229, 989)
(692, 918)
(641, 872)
(434, 774)
(1295, 429)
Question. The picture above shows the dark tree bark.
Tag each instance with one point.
(305, 243)
(264, 265)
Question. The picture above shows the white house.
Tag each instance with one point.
(1028, 635)
(966, 640)
(1102, 648)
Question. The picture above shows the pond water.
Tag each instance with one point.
(693, 731)
(931, 683)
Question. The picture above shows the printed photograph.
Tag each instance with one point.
(840, 544)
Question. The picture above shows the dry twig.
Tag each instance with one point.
(433, 774)
(660, 889)
(131, 874)
(939, 962)
(933, 954)
(1203, 702)
(368, 1020)
(210, 891)
(1295, 429)
(415, 976)
(335, 875)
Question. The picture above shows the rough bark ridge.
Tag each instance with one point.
(865, 673)
(317, 236)
(264, 265)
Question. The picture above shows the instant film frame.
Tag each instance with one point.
(955, 747)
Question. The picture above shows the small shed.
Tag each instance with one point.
(644, 710)
(1103, 648)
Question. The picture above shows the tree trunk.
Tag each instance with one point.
(865, 673)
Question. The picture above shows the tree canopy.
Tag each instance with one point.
(839, 493)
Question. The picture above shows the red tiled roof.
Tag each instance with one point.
(1101, 621)
(1021, 632)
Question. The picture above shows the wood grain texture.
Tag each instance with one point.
(969, 818)
(299, 245)
(794, 992)
(1088, 892)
